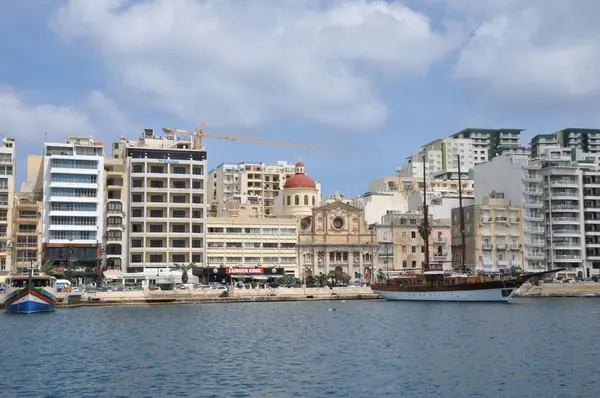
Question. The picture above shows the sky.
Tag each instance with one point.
(369, 81)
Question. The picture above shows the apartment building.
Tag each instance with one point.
(73, 202)
(7, 191)
(401, 246)
(540, 142)
(557, 192)
(493, 238)
(27, 231)
(409, 185)
(451, 149)
(253, 242)
(114, 237)
(246, 188)
(164, 210)
(489, 143)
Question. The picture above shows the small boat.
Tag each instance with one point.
(27, 294)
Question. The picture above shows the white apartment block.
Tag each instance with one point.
(164, 214)
(7, 193)
(253, 242)
(246, 188)
(431, 160)
(73, 202)
(560, 196)
(375, 205)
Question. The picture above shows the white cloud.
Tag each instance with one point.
(31, 123)
(247, 62)
(534, 52)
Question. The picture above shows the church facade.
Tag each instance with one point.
(335, 237)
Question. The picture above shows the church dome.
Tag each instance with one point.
(300, 179)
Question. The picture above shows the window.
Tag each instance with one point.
(179, 199)
(197, 228)
(179, 170)
(403, 249)
(136, 198)
(137, 212)
(137, 168)
(413, 249)
(180, 243)
(404, 264)
(136, 258)
(413, 234)
(297, 200)
(197, 213)
(136, 243)
(114, 207)
(178, 228)
(198, 199)
(114, 235)
(179, 185)
(288, 200)
(178, 213)
(196, 243)
(157, 169)
(156, 198)
(156, 243)
(198, 184)
(313, 200)
(414, 264)
(156, 258)
(305, 200)
(114, 221)
(155, 228)
(404, 235)
(178, 258)
(198, 170)
(156, 213)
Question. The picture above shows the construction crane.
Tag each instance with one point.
(197, 136)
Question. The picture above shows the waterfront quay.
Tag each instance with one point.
(66, 300)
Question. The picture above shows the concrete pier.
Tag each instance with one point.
(560, 290)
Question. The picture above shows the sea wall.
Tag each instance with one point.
(214, 296)
(560, 290)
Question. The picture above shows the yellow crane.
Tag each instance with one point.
(197, 136)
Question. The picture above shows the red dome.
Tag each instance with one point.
(300, 181)
(299, 164)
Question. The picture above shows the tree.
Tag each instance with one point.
(381, 277)
(184, 271)
(50, 269)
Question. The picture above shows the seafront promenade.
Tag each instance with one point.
(208, 295)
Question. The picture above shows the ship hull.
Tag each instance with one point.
(500, 295)
(29, 300)
(491, 291)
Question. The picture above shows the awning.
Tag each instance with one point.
(257, 277)
(3, 278)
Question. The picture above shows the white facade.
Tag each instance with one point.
(439, 206)
(376, 204)
(165, 219)
(73, 200)
(253, 242)
(560, 196)
(246, 188)
(7, 193)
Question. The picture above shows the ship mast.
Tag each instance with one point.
(425, 215)
(463, 251)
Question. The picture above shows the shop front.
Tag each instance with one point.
(231, 275)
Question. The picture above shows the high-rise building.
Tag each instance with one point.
(73, 203)
(560, 196)
(7, 191)
(164, 213)
(246, 188)
(450, 149)
(489, 143)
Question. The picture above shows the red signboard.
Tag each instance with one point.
(247, 271)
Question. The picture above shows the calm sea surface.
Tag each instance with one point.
(529, 348)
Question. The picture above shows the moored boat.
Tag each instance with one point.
(437, 285)
(27, 294)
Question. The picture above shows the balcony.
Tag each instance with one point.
(566, 231)
(567, 257)
(565, 208)
(536, 243)
(535, 255)
(533, 205)
(565, 220)
(564, 183)
(534, 217)
(532, 178)
(563, 194)
(487, 246)
(533, 191)
(534, 230)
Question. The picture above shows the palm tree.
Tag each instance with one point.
(49, 268)
(184, 271)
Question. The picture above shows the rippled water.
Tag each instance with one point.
(529, 348)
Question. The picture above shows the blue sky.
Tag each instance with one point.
(370, 81)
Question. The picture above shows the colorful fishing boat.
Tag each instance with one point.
(27, 294)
